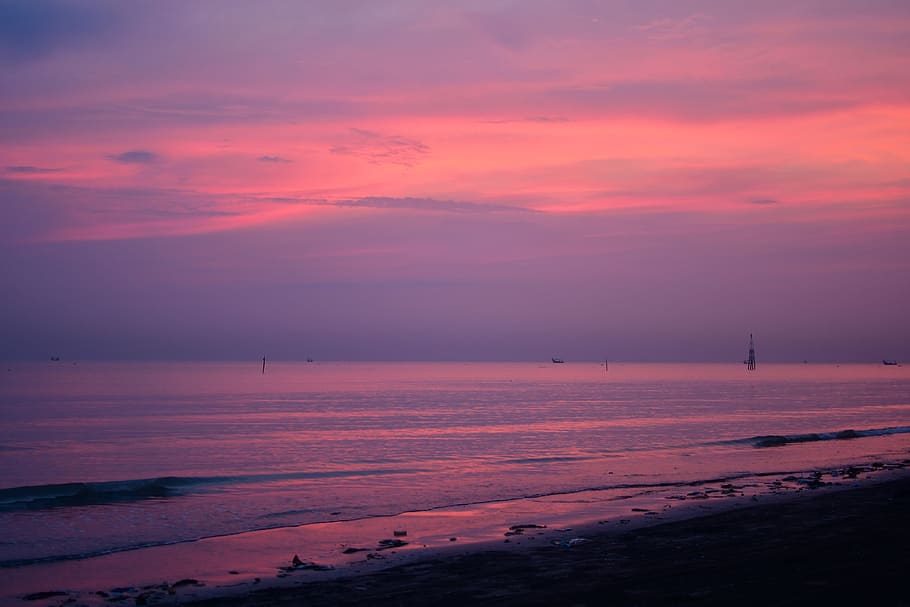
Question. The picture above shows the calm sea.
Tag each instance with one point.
(105, 457)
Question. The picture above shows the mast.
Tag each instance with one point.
(750, 363)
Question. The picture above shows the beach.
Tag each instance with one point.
(840, 540)
(830, 545)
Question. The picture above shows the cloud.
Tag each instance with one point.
(214, 106)
(533, 119)
(135, 157)
(763, 201)
(272, 159)
(39, 210)
(675, 29)
(155, 114)
(703, 100)
(378, 148)
(31, 170)
(402, 203)
(428, 204)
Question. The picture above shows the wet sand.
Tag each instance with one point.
(830, 545)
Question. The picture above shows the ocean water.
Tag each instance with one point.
(98, 457)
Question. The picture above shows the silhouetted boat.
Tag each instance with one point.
(557, 360)
(888, 361)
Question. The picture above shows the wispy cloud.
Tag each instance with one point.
(676, 29)
(402, 203)
(705, 99)
(532, 119)
(31, 170)
(135, 157)
(764, 201)
(428, 204)
(379, 148)
(274, 159)
(39, 210)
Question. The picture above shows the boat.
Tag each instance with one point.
(557, 360)
(889, 361)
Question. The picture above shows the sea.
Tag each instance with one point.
(99, 458)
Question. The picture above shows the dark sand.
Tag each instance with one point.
(827, 546)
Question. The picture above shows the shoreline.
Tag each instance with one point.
(834, 543)
(254, 573)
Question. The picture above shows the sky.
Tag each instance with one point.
(646, 180)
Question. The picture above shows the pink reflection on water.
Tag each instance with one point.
(304, 444)
(241, 379)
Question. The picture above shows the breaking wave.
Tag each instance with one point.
(42, 497)
(778, 440)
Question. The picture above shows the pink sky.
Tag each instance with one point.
(455, 180)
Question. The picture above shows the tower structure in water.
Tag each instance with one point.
(750, 362)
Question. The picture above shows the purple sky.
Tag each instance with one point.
(497, 180)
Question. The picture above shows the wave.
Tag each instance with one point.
(42, 497)
(63, 495)
(82, 494)
(778, 440)
(638, 489)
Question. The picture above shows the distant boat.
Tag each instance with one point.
(557, 360)
(889, 361)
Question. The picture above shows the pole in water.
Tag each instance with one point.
(606, 366)
(263, 365)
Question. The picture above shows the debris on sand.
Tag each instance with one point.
(386, 544)
(520, 529)
(297, 565)
(575, 541)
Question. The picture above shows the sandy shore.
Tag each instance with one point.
(832, 545)
(835, 537)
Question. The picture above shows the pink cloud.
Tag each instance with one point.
(438, 157)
